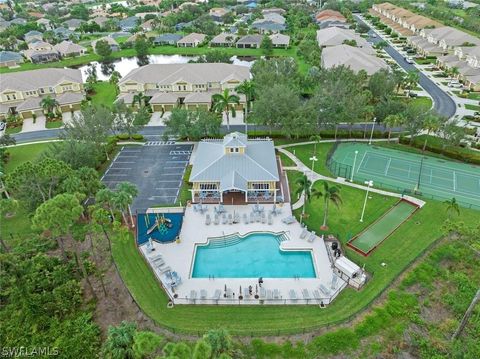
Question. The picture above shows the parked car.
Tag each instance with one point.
(455, 84)
(409, 60)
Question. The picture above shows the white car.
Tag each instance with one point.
(409, 60)
(455, 84)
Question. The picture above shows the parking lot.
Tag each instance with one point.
(157, 169)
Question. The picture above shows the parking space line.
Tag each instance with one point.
(162, 197)
(115, 174)
(123, 162)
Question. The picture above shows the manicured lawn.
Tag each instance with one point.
(305, 152)
(12, 130)
(422, 101)
(54, 124)
(472, 107)
(425, 61)
(21, 154)
(105, 94)
(185, 195)
(474, 96)
(286, 161)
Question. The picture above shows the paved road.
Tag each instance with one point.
(443, 103)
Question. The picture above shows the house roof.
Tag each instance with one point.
(33, 33)
(110, 40)
(224, 38)
(333, 36)
(280, 39)
(68, 47)
(168, 37)
(74, 23)
(34, 79)
(6, 56)
(353, 57)
(193, 37)
(234, 170)
(129, 22)
(250, 39)
(193, 73)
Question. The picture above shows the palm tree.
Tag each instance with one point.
(431, 124)
(393, 121)
(225, 103)
(330, 194)
(247, 88)
(452, 206)
(305, 187)
(316, 139)
(412, 80)
(114, 79)
(453, 72)
(49, 104)
(140, 98)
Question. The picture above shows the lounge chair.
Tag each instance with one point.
(252, 217)
(316, 295)
(305, 294)
(193, 295)
(312, 237)
(263, 293)
(276, 294)
(289, 220)
(216, 219)
(263, 219)
(230, 218)
(246, 292)
(245, 218)
(159, 262)
(229, 293)
(304, 233)
(292, 294)
(217, 294)
(269, 294)
(208, 219)
(165, 270)
(203, 294)
(236, 218)
(224, 219)
(257, 217)
(325, 290)
(270, 219)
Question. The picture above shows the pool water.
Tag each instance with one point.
(253, 256)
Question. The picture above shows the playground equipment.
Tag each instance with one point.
(161, 224)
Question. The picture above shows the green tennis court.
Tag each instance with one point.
(382, 228)
(408, 172)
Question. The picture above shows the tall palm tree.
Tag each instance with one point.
(305, 187)
(125, 193)
(453, 72)
(140, 98)
(412, 79)
(431, 124)
(393, 121)
(452, 206)
(114, 79)
(49, 104)
(330, 194)
(247, 88)
(315, 138)
(225, 103)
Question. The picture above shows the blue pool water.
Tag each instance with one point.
(256, 255)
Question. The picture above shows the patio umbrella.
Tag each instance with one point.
(240, 291)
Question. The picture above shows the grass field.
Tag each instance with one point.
(105, 94)
(21, 154)
(472, 107)
(305, 152)
(54, 124)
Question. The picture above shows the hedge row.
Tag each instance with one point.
(435, 146)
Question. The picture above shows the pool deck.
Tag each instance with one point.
(179, 257)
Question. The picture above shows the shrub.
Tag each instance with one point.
(123, 137)
(137, 137)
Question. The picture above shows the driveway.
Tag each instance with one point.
(156, 168)
(442, 102)
(30, 126)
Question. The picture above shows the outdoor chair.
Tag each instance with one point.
(245, 218)
(325, 290)
(304, 233)
(165, 270)
(269, 294)
(230, 218)
(208, 220)
(276, 294)
(263, 219)
(236, 218)
(305, 294)
(252, 217)
(195, 207)
(292, 294)
(224, 218)
(246, 292)
(229, 293)
(289, 220)
(316, 295)
(263, 293)
(270, 219)
(312, 236)
(193, 295)
(216, 219)
(217, 294)
(257, 217)
(203, 294)
(221, 208)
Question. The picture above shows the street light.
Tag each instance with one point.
(313, 159)
(353, 169)
(371, 134)
(369, 184)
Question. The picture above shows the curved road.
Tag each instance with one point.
(442, 102)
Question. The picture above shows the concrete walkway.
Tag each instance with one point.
(314, 177)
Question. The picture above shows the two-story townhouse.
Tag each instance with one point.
(187, 85)
(22, 92)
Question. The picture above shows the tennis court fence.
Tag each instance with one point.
(343, 170)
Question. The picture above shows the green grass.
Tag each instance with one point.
(105, 94)
(185, 194)
(21, 154)
(472, 107)
(425, 61)
(293, 176)
(305, 152)
(474, 95)
(286, 161)
(54, 124)
(422, 101)
(12, 130)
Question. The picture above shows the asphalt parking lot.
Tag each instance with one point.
(157, 169)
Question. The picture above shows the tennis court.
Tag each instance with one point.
(382, 228)
(409, 172)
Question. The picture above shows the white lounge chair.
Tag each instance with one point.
(216, 219)
(245, 218)
(263, 293)
(292, 294)
(289, 220)
(317, 295)
(270, 219)
(224, 218)
(269, 294)
(203, 294)
(304, 233)
(312, 237)
(276, 294)
(325, 290)
(230, 218)
(217, 294)
(165, 270)
(305, 294)
(263, 219)
(193, 295)
(229, 293)
(246, 292)
(208, 220)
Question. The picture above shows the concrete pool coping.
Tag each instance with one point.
(179, 256)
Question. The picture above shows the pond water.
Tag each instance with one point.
(126, 64)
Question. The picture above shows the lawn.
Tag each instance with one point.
(54, 124)
(472, 107)
(422, 101)
(305, 152)
(12, 130)
(185, 194)
(105, 94)
(397, 252)
(21, 154)
(286, 161)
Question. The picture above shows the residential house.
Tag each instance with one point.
(224, 39)
(128, 24)
(33, 36)
(249, 42)
(329, 15)
(217, 13)
(333, 36)
(467, 61)
(167, 39)
(110, 40)
(280, 40)
(274, 10)
(268, 26)
(10, 59)
(41, 52)
(22, 92)
(69, 49)
(45, 24)
(189, 85)
(18, 21)
(191, 40)
(101, 20)
(235, 169)
(183, 25)
(357, 59)
(148, 25)
(73, 24)
(333, 23)
(62, 33)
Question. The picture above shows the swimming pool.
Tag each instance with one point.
(253, 256)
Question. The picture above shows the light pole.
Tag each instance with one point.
(353, 169)
(369, 184)
(313, 159)
(371, 133)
